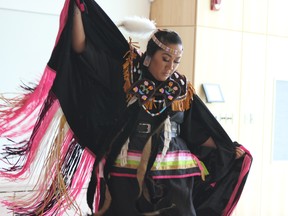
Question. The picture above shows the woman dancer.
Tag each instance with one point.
(154, 146)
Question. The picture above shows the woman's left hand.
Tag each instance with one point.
(239, 152)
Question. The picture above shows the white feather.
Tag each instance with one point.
(136, 25)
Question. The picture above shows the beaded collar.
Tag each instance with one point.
(152, 95)
(161, 96)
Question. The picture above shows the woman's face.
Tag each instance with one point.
(163, 63)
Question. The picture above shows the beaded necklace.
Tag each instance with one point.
(153, 114)
(159, 112)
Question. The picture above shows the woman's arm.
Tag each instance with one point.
(78, 34)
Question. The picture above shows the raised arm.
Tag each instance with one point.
(78, 34)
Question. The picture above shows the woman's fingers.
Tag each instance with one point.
(239, 152)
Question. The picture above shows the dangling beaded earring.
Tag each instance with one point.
(147, 61)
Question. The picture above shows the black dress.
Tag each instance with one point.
(169, 177)
(168, 180)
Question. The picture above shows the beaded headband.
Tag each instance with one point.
(164, 47)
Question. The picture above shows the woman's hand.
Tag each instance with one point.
(239, 152)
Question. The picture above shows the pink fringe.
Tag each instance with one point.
(19, 120)
(80, 177)
(30, 104)
(33, 144)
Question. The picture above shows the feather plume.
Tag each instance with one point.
(138, 26)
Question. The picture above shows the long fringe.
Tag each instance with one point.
(19, 114)
(185, 103)
(25, 151)
(177, 105)
(35, 126)
(26, 124)
(66, 169)
(15, 112)
(130, 56)
(20, 122)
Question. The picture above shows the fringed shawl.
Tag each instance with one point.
(60, 115)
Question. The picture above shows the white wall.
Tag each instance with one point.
(26, 41)
(244, 47)
(28, 33)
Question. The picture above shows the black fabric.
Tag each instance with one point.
(199, 125)
(89, 86)
(177, 201)
(92, 187)
(212, 195)
(90, 91)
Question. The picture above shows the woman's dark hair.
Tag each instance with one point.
(164, 36)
